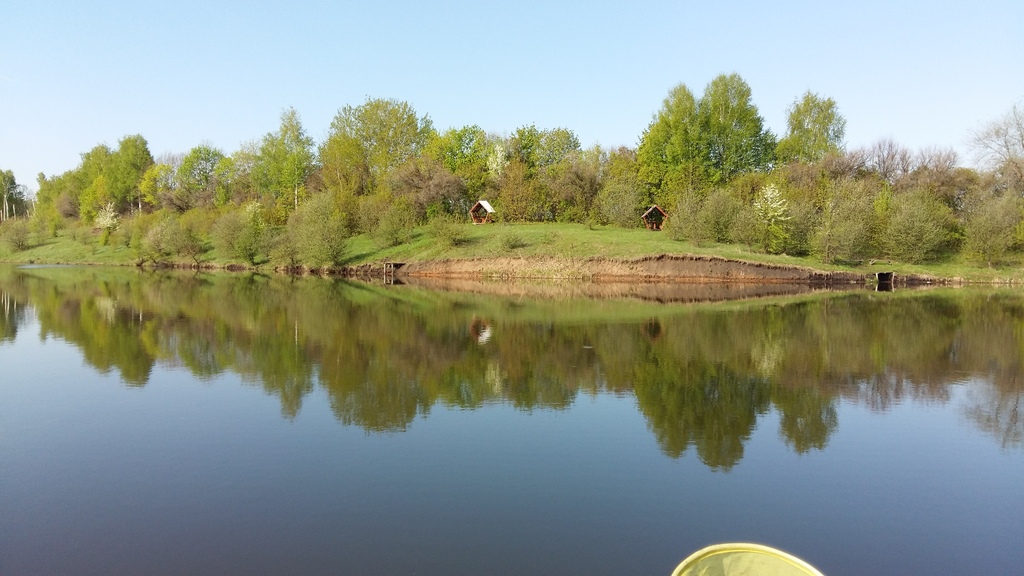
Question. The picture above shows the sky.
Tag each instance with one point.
(77, 74)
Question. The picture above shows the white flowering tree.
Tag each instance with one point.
(107, 221)
(772, 211)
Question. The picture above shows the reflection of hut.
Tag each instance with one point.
(480, 330)
(654, 217)
(481, 212)
(651, 329)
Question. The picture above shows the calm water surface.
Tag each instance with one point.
(178, 424)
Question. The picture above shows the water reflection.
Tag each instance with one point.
(702, 375)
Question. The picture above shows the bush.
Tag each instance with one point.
(242, 234)
(619, 203)
(394, 224)
(920, 228)
(848, 224)
(682, 223)
(511, 240)
(162, 240)
(714, 221)
(745, 227)
(991, 228)
(449, 231)
(317, 232)
(15, 234)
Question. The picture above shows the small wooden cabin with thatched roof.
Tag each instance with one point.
(481, 212)
(654, 218)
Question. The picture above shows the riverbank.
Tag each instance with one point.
(542, 251)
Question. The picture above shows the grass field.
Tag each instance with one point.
(496, 240)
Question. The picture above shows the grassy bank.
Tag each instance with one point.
(570, 241)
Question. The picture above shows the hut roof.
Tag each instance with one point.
(652, 209)
(483, 204)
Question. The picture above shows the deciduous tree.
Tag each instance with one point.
(814, 129)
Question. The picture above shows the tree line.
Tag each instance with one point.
(709, 161)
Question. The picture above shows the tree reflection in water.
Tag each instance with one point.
(702, 375)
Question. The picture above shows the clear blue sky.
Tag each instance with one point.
(75, 74)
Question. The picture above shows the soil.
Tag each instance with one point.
(660, 292)
(650, 269)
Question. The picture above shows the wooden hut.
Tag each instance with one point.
(481, 212)
(654, 218)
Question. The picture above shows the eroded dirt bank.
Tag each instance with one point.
(661, 292)
(662, 268)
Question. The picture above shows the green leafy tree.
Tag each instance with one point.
(463, 152)
(197, 177)
(732, 138)
(814, 129)
(366, 143)
(284, 161)
(668, 158)
(127, 166)
(158, 186)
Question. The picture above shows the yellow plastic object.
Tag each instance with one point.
(742, 559)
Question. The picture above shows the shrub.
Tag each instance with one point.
(619, 203)
(15, 233)
(162, 239)
(317, 232)
(449, 231)
(920, 228)
(394, 224)
(242, 234)
(848, 223)
(511, 240)
(714, 221)
(990, 228)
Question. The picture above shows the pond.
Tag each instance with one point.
(169, 423)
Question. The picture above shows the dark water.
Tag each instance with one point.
(179, 424)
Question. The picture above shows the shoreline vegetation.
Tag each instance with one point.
(734, 200)
(559, 252)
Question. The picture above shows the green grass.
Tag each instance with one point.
(569, 241)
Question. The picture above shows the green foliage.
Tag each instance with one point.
(668, 156)
(284, 161)
(815, 128)
(732, 138)
(366, 143)
(317, 230)
(448, 230)
(463, 152)
(15, 233)
(395, 223)
(693, 144)
(991, 228)
(162, 240)
(196, 178)
(511, 240)
(919, 228)
(242, 234)
(848, 225)
(520, 197)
